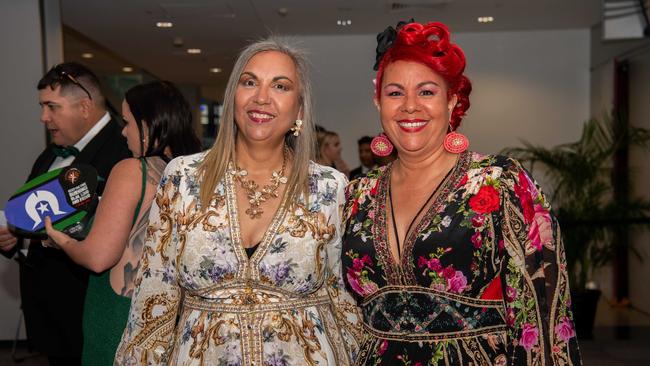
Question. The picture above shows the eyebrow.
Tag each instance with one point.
(281, 77)
(419, 85)
(47, 102)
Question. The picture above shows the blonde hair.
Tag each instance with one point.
(322, 139)
(215, 164)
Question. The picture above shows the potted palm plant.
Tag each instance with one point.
(580, 174)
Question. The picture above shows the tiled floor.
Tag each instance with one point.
(604, 350)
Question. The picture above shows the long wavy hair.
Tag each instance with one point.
(215, 164)
(429, 44)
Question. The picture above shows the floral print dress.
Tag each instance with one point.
(482, 280)
(199, 299)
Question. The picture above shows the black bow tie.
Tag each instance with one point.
(64, 152)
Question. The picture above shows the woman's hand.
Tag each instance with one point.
(55, 239)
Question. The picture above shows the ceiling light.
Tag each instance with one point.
(87, 55)
(485, 19)
(193, 51)
(215, 70)
(344, 22)
(127, 69)
(164, 24)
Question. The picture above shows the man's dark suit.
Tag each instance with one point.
(356, 173)
(52, 287)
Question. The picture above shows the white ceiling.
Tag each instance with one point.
(222, 27)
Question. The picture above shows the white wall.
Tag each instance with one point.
(21, 66)
(530, 85)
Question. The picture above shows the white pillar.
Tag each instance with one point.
(25, 57)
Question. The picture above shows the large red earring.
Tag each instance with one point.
(455, 142)
(381, 145)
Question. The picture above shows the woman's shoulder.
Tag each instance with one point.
(366, 183)
(126, 168)
(325, 173)
(494, 164)
(497, 170)
(185, 163)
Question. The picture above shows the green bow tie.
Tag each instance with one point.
(64, 152)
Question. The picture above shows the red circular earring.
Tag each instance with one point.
(381, 145)
(455, 142)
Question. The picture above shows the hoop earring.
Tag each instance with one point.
(381, 145)
(455, 142)
(297, 127)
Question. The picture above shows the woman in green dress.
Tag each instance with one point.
(158, 127)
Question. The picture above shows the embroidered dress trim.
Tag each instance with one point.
(400, 274)
(198, 303)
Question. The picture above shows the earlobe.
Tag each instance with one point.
(376, 101)
(452, 103)
(85, 108)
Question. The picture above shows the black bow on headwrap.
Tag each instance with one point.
(385, 40)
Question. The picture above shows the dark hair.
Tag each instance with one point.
(429, 45)
(69, 76)
(168, 117)
(364, 140)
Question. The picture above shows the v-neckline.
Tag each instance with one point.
(248, 267)
(397, 270)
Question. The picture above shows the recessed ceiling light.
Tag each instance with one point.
(215, 70)
(344, 22)
(87, 55)
(193, 51)
(485, 19)
(164, 24)
(127, 69)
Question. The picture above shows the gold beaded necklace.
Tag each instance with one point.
(257, 197)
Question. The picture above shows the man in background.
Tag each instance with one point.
(52, 287)
(365, 157)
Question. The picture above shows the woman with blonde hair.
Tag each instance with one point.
(245, 239)
(329, 151)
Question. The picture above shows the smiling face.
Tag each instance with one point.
(267, 99)
(414, 107)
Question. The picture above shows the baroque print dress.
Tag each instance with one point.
(202, 301)
(482, 280)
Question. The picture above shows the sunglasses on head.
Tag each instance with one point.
(64, 75)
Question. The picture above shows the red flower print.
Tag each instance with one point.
(457, 283)
(526, 201)
(432, 264)
(529, 336)
(462, 181)
(382, 347)
(485, 201)
(355, 206)
(511, 294)
(367, 260)
(357, 264)
(478, 220)
(373, 190)
(564, 330)
(448, 272)
(477, 240)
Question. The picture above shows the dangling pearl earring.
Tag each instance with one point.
(381, 145)
(297, 127)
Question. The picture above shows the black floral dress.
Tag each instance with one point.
(482, 279)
